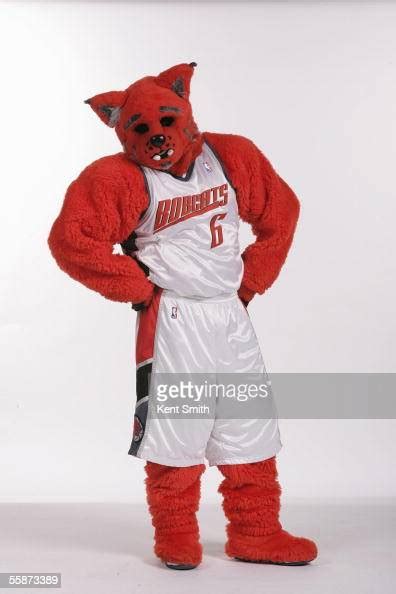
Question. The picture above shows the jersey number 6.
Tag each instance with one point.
(216, 230)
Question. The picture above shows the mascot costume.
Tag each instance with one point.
(173, 200)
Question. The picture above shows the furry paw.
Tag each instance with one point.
(280, 548)
(179, 549)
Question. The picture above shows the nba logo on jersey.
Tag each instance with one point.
(207, 167)
(174, 313)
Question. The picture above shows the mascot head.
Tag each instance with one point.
(153, 119)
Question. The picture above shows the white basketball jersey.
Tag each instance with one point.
(188, 237)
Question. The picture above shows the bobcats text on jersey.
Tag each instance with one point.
(191, 224)
(172, 210)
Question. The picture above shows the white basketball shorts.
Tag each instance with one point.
(183, 346)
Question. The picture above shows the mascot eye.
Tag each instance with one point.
(167, 121)
(141, 128)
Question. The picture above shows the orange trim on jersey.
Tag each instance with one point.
(147, 327)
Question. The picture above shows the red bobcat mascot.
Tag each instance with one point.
(173, 199)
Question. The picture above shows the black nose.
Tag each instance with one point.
(157, 140)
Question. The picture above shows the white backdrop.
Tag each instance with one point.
(313, 85)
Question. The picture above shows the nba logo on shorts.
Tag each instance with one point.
(174, 312)
(207, 167)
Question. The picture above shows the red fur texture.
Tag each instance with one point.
(150, 107)
(173, 498)
(154, 122)
(103, 205)
(101, 209)
(251, 504)
(266, 202)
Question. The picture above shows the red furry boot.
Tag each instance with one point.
(173, 498)
(252, 503)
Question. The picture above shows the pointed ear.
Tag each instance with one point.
(108, 106)
(177, 79)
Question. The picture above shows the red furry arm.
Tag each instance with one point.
(101, 208)
(266, 202)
